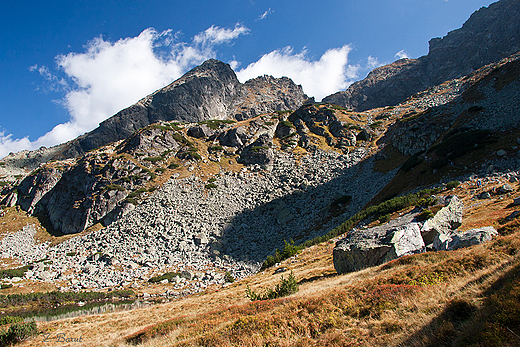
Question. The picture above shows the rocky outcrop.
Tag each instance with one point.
(438, 228)
(489, 35)
(209, 91)
(362, 248)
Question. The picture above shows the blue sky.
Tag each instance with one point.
(67, 65)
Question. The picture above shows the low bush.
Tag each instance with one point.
(288, 251)
(287, 124)
(153, 159)
(114, 187)
(229, 277)
(18, 332)
(284, 288)
(10, 273)
(452, 184)
(167, 276)
(210, 186)
(10, 320)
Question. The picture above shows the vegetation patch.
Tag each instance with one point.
(167, 276)
(284, 288)
(114, 187)
(210, 186)
(215, 124)
(10, 273)
(17, 333)
(153, 159)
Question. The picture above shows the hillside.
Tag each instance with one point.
(399, 222)
(464, 297)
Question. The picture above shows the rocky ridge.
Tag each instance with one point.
(490, 34)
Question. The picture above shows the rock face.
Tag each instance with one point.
(489, 35)
(209, 91)
(369, 247)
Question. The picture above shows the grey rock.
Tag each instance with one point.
(444, 222)
(200, 131)
(506, 188)
(472, 237)
(484, 195)
(369, 247)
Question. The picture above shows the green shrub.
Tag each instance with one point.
(167, 276)
(132, 201)
(287, 124)
(258, 148)
(288, 251)
(153, 159)
(452, 184)
(114, 187)
(215, 148)
(376, 124)
(71, 254)
(18, 332)
(136, 193)
(173, 166)
(424, 215)
(6, 286)
(229, 277)
(160, 170)
(10, 273)
(210, 186)
(4, 183)
(2, 163)
(212, 179)
(10, 319)
(284, 288)
(425, 202)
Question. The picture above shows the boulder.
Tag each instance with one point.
(259, 152)
(364, 248)
(444, 222)
(506, 188)
(200, 131)
(471, 237)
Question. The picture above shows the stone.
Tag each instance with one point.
(501, 153)
(472, 237)
(201, 239)
(444, 222)
(484, 195)
(506, 188)
(200, 131)
(280, 270)
(369, 247)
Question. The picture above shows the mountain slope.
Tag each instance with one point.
(489, 35)
(209, 91)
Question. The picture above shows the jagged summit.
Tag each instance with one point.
(209, 91)
(489, 35)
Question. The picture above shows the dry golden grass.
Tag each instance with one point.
(376, 306)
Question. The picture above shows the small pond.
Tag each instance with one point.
(73, 311)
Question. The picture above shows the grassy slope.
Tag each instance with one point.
(466, 297)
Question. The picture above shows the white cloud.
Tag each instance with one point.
(318, 78)
(401, 54)
(265, 14)
(110, 76)
(7, 144)
(373, 63)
